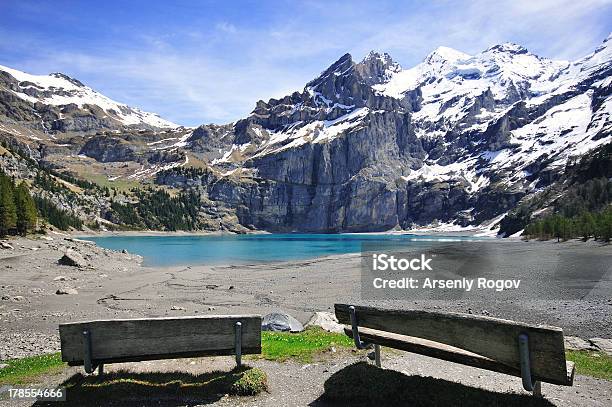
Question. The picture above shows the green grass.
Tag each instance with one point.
(20, 371)
(301, 346)
(154, 387)
(595, 364)
(250, 383)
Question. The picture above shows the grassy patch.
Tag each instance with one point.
(250, 383)
(24, 370)
(596, 364)
(301, 346)
(365, 384)
(127, 386)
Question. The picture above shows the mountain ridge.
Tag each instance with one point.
(59, 89)
(456, 140)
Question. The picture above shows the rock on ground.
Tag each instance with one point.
(72, 258)
(327, 321)
(66, 291)
(281, 322)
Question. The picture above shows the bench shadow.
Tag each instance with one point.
(363, 384)
(125, 388)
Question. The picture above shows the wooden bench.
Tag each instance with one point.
(95, 343)
(536, 353)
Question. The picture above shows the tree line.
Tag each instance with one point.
(57, 217)
(596, 225)
(18, 213)
(157, 210)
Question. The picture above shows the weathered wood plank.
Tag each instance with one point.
(444, 352)
(493, 338)
(159, 338)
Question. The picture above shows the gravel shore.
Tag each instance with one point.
(111, 284)
(114, 285)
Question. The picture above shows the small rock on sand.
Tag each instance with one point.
(66, 291)
(5, 245)
(327, 321)
(72, 258)
(177, 308)
(60, 278)
(281, 322)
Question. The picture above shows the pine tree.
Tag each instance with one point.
(587, 225)
(8, 213)
(26, 210)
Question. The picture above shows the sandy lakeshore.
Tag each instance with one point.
(115, 285)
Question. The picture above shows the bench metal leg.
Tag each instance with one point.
(528, 383)
(355, 328)
(537, 389)
(87, 362)
(89, 365)
(377, 354)
(238, 343)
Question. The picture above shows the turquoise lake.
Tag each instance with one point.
(235, 249)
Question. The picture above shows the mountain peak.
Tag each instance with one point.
(377, 67)
(508, 47)
(342, 66)
(375, 55)
(445, 54)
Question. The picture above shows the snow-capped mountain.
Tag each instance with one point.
(458, 139)
(68, 94)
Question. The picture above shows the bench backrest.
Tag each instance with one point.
(124, 340)
(493, 338)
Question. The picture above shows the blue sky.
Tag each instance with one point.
(197, 62)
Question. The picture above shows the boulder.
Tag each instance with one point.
(281, 322)
(66, 291)
(72, 258)
(327, 321)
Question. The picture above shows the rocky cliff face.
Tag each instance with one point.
(458, 140)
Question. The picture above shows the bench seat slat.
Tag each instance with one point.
(445, 352)
(126, 340)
